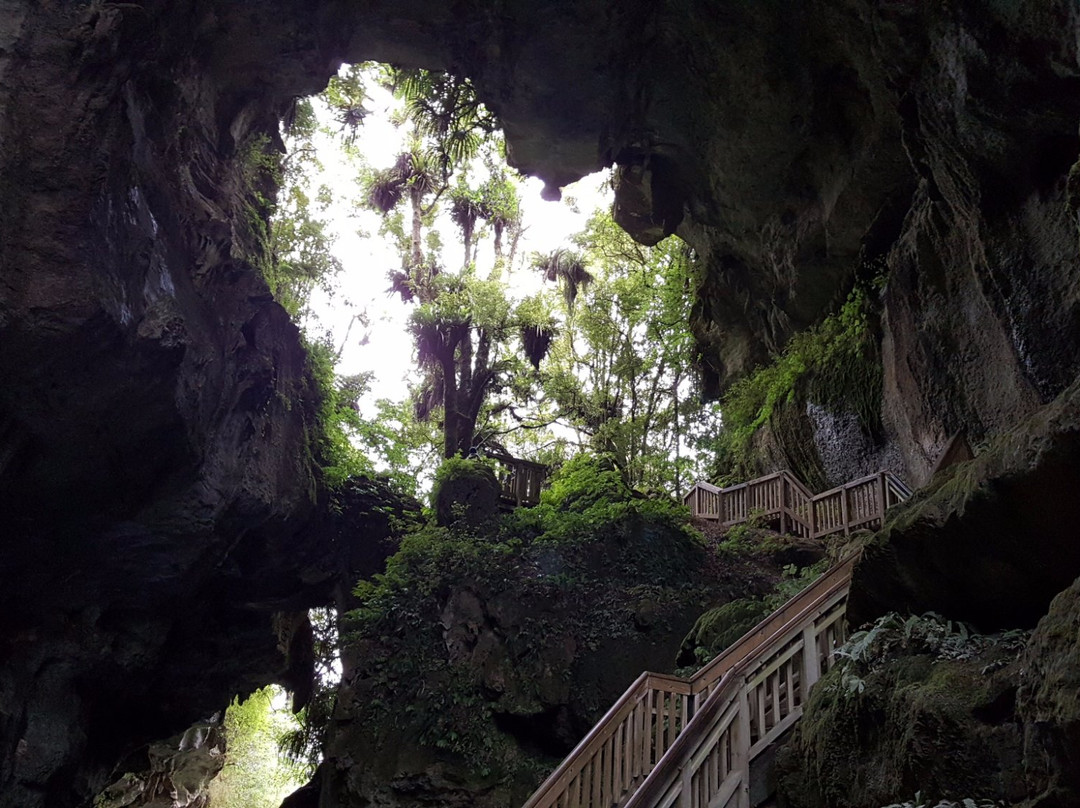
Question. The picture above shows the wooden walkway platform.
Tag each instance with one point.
(782, 500)
(520, 480)
(671, 742)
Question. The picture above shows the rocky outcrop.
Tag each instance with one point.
(485, 653)
(944, 728)
(988, 541)
(175, 773)
(1048, 704)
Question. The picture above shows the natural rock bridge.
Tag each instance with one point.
(699, 742)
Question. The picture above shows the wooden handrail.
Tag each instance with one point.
(519, 480)
(782, 498)
(757, 699)
(635, 746)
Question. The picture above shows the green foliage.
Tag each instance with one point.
(445, 110)
(572, 567)
(745, 537)
(793, 581)
(619, 369)
(337, 420)
(585, 481)
(259, 168)
(345, 95)
(892, 635)
(302, 745)
(255, 776)
(301, 248)
(835, 363)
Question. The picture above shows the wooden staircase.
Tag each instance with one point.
(781, 499)
(670, 741)
(690, 743)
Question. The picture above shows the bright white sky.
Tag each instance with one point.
(367, 257)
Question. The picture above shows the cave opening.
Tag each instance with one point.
(396, 194)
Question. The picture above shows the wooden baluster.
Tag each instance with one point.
(790, 685)
(645, 736)
(616, 766)
(811, 671)
(883, 489)
(637, 764)
(742, 751)
(775, 679)
(596, 777)
(604, 753)
(620, 779)
(759, 698)
(783, 515)
(658, 744)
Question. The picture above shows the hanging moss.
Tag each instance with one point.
(836, 364)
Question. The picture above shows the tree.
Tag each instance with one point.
(620, 372)
(464, 325)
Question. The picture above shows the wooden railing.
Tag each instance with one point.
(519, 480)
(689, 742)
(781, 498)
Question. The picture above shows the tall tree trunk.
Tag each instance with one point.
(678, 457)
(497, 271)
(416, 256)
(467, 237)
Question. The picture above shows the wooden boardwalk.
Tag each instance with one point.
(520, 480)
(781, 499)
(671, 742)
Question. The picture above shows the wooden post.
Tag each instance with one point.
(783, 502)
(884, 495)
(741, 761)
(811, 662)
(844, 511)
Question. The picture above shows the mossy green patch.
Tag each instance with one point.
(720, 627)
(836, 364)
(915, 722)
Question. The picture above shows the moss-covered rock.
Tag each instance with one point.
(1049, 703)
(484, 654)
(465, 491)
(718, 628)
(942, 727)
(989, 541)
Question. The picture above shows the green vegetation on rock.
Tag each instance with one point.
(836, 364)
(465, 491)
(475, 637)
(917, 704)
